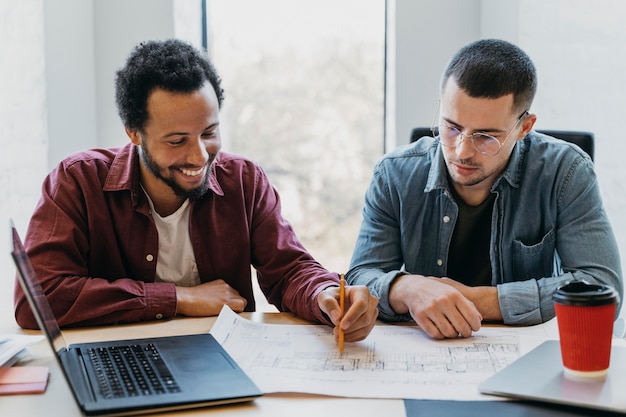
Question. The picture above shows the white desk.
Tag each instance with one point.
(58, 400)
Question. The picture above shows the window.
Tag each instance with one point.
(304, 88)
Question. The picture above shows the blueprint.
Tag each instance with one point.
(395, 361)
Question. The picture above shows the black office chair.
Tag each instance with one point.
(585, 140)
(420, 132)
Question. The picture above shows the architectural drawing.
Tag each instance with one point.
(393, 362)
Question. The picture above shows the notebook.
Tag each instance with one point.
(538, 376)
(138, 376)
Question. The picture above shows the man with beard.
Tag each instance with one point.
(487, 219)
(168, 224)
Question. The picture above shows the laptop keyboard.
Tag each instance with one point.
(130, 371)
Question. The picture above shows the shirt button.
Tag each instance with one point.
(149, 258)
(446, 219)
(159, 316)
(439, 262)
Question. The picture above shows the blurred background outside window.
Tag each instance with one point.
(304, 88)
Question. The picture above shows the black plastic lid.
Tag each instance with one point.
(581, 293)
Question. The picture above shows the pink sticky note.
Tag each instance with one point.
(23, 379)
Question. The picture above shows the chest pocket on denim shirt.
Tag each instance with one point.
(536, 260)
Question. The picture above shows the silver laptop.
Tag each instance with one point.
(137, 376)
(538, 376)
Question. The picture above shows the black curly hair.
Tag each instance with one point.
(172, 65)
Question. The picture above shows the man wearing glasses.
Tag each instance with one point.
(484, 221)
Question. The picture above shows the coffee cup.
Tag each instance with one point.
(585, 314)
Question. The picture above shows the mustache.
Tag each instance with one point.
(208, 164)
(467, 163)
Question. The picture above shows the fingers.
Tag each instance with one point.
(237, 303)
(449, 317)
(360, 313)
(442, 328)
(437, 305)
(207, 299)
(328, 301)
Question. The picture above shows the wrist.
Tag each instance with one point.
(486, 301)
(398, 290)
(182, 297)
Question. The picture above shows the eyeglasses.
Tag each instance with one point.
(485, 144)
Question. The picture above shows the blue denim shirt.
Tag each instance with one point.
(548, 226)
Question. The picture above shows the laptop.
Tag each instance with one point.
(137, 376)
(538, 376)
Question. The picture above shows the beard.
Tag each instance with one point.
(155, 169)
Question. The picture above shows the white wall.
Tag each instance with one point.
(427, 34)
(23, 127)
(70, 77)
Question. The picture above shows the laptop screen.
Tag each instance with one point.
(32, 288)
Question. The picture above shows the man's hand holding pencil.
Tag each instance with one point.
(352, 309)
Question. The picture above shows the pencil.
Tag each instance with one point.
(342, 305)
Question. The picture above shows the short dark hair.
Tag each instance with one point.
(172, 65)
(492, 68)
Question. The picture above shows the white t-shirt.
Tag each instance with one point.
(176, 262)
